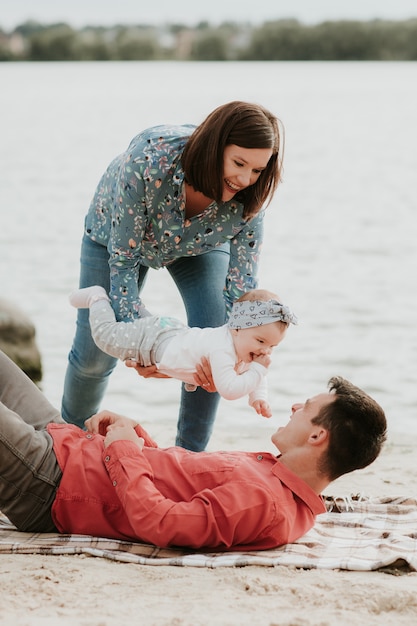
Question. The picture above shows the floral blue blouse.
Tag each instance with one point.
(138, 212)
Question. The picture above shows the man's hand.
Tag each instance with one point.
(262, 408)
(203, 378)
(101, 422)
(123, 433)
(147, 372)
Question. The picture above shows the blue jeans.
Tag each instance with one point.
(200, 281)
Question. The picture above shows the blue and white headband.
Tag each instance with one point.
(251, 313)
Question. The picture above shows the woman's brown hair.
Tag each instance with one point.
(242, 124)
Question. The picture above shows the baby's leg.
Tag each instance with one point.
(84, 298)
(124, 340)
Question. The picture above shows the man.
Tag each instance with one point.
(113, 481)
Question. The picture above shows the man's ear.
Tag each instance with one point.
(318, 436)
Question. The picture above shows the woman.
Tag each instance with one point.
(189, 199)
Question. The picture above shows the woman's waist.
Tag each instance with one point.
(157, 255)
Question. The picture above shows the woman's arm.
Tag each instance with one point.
(245, 250)
(127, 231)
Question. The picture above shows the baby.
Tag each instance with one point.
(239, 352)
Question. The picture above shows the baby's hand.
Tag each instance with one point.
(262, 359)
(262, 408)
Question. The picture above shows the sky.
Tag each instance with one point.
(79, 13)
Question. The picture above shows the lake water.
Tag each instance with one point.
(341, 230)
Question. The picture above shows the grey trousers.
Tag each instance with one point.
(29, 471)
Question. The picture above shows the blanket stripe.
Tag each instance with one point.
(356, 533)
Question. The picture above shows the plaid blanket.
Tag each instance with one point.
(356, 533)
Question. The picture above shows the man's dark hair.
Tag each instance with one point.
(357, 429)
(242, 124)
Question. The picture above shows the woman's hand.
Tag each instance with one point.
(147, 372)
(100, 423)
(203, 378)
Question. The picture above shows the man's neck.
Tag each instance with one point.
(306, 469)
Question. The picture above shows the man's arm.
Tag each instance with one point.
(215, 518)
(101, 423)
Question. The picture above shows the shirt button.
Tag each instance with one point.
(114, 483)
(259, 457)
(89, 436)
(107, 459)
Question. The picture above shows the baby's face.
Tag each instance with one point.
(257, 340)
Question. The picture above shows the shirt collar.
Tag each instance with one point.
(299, 487)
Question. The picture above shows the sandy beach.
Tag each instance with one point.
(91, 591)
(336, 249)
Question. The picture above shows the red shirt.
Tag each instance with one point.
(174, 497)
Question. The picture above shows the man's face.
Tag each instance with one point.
(298, 430)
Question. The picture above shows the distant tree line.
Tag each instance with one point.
(282, 40)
